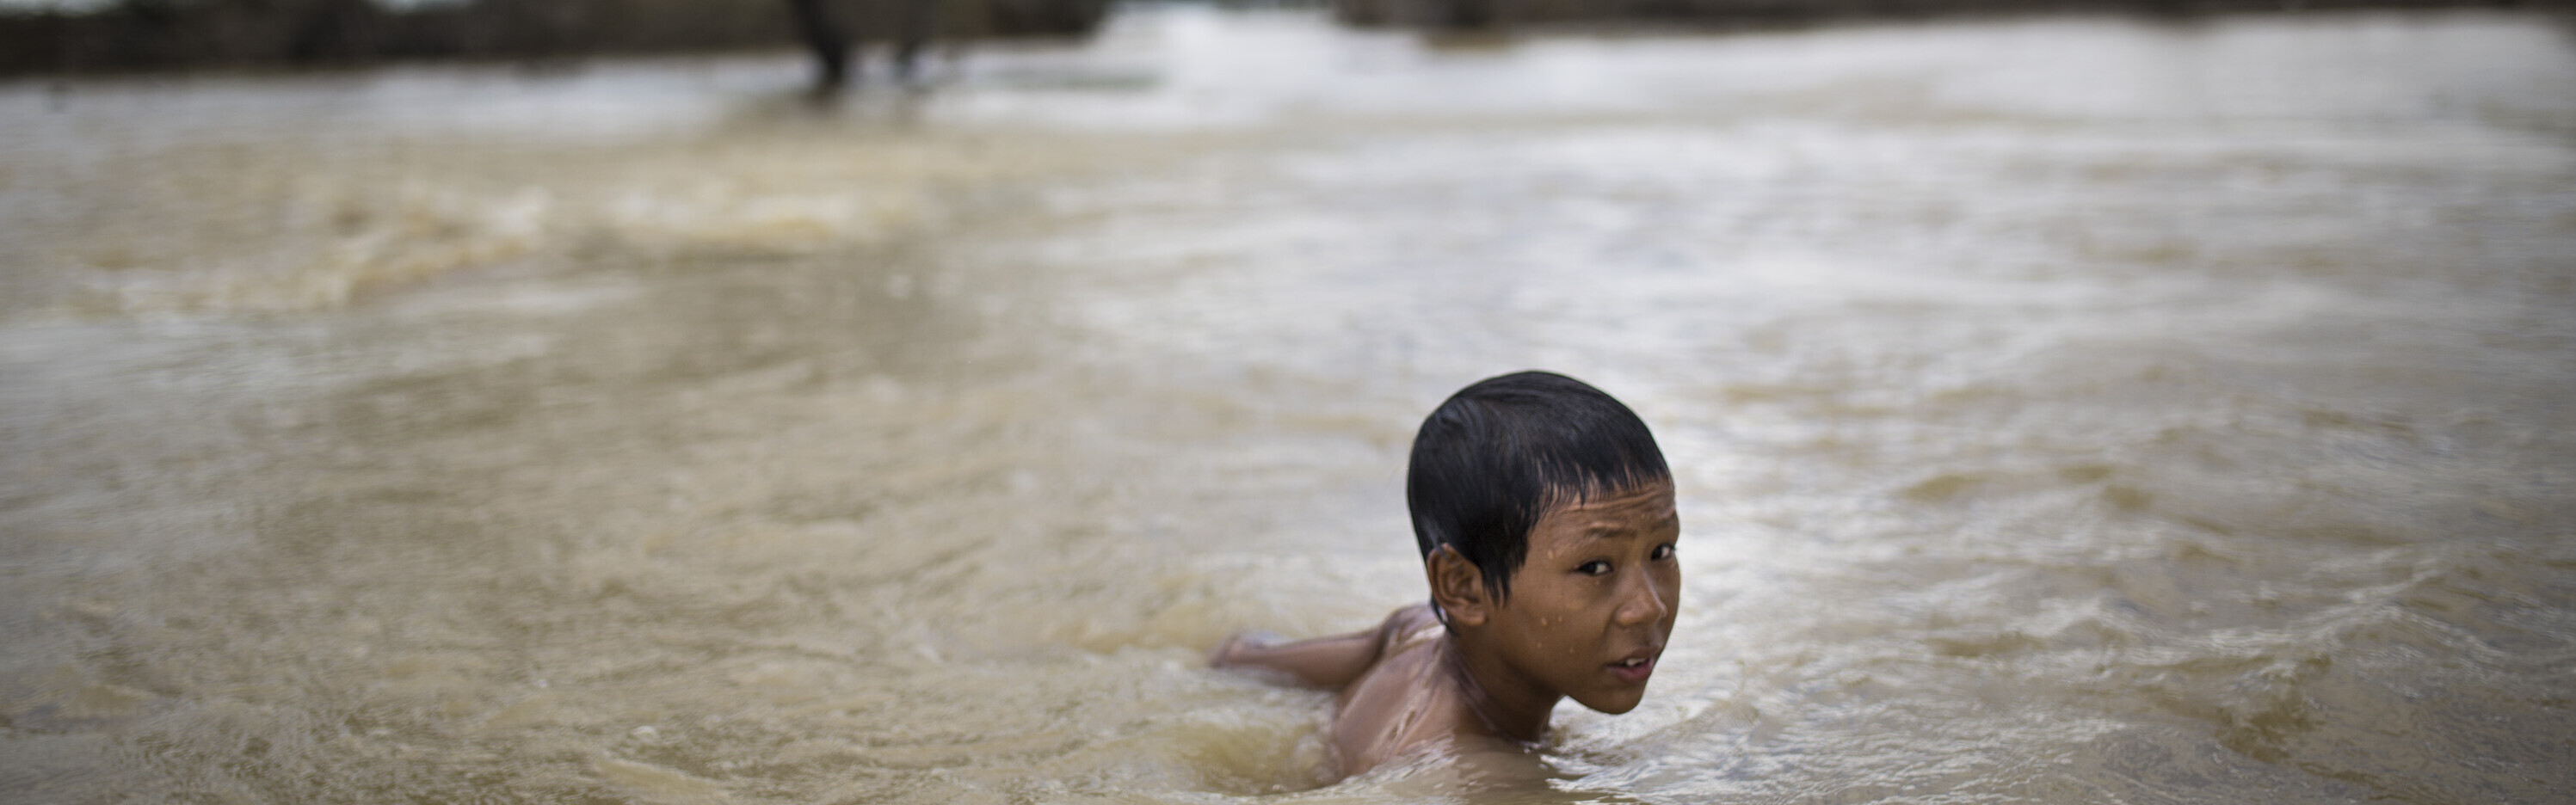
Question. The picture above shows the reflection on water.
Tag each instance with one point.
(2070, 410)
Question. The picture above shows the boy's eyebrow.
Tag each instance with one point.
(1605, 530)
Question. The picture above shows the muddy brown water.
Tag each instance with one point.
(2064, 410)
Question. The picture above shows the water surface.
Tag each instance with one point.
(2062, 409)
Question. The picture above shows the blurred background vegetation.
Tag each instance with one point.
(1470, 14)
(164, 34)
(127, 35)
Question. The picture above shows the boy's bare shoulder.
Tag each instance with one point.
(1404, 705)
(1404, 626)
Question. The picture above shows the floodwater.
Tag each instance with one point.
(2063, 410)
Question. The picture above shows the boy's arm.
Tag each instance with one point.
(1328, 662)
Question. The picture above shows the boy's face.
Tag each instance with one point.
(1591, 606)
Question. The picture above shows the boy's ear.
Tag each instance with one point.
(1458, 586)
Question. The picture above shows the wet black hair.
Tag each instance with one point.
(1494, 457)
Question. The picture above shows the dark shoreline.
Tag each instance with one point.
(142, 37)
(1759, 14)
(148, 36)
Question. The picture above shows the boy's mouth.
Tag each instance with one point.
(1636, 667)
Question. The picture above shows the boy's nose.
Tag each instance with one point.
(1642, 601)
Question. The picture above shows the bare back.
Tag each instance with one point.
(1401, 694)
(1407, 702)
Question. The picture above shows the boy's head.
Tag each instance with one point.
(1545, 517)
(1497, 455)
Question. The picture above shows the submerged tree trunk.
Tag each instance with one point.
(829, 42)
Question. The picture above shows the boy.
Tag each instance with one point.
(1544, 514)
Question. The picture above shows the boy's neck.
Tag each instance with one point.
(1512, 711)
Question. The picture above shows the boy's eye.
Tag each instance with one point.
(1593, 568)
(1664, 551)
